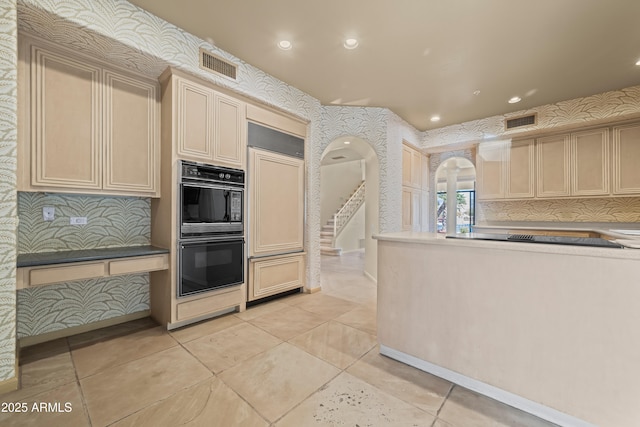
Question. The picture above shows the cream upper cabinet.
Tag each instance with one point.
(626, 159)
(520, 170)
(490, 170)
(230, 127)
(66, 110)
(411, 209)
(411, 166)
(590, 162)
(553, 166)
(211, 127)
(276, 203)
(195, 120)
(85, 127)
(130, 134)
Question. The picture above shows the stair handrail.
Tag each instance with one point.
(346, 212)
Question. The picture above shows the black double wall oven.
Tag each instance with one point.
(211, 244)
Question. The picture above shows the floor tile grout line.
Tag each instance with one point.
(445, 399)
(83, 399)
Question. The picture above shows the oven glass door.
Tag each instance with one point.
(210, 209)
(209, 265)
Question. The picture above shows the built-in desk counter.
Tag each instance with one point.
(550, 329)
(47, 268)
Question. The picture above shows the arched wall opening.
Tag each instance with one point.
(345, 162)
(454, 183)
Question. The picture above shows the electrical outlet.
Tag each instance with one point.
(48, 213)
(78, 220)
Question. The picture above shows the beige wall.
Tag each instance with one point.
(352, 236)
(337, 183)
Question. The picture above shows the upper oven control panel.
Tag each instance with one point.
(213, 174)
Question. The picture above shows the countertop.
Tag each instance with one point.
(64, 257)
(621, 232)
(425, 238)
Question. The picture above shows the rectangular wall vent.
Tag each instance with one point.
(517, 122)
(211, 62)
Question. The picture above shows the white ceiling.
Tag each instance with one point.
(425, 57)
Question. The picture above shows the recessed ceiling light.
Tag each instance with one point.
(351, 43)
(638, 62)
(515, 99)
(435, 118)
(476, 92)
(347, 142)
(284, 44)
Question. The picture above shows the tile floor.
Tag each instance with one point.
(303, 360)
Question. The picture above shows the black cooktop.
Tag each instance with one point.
(529, 238)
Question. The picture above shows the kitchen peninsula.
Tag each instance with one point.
(550, 329)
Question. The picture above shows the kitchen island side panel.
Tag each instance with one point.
(557, 329)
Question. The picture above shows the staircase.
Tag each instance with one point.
(334, 226)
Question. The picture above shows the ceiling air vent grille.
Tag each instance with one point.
(211, 62)
(517, 122)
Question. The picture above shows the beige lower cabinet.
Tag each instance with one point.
(84, 126)
(211, 303)
(276, 203)
(273, 275)
(626, 159)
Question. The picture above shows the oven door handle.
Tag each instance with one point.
(208, 241)
(212, 186)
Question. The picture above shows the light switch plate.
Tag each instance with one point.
(48, 213)
(78, 220)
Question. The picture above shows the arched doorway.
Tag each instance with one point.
(345, 164)
(455, 196)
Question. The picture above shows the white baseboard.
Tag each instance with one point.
(526, 405)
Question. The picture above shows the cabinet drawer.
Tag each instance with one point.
(139, 265)
(49, 275)
(209, 304)
(274, 275)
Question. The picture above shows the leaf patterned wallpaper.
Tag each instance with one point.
(615, 104)
(54, 307)
(8, 140)
(618, 209)
(111, 222)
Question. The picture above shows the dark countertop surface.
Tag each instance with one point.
(63, 257)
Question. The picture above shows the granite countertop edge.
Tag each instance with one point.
(83, 255)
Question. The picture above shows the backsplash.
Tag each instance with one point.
(618, 209)
(111, 222)
(50, 308)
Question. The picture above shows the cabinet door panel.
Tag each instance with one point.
(65, 123)
(406, 209)
(626, 159)
(407, 158)
(195, 121)
(276, 195)
(275, 275)
(416, 201)
(553, 166)
(230, 132)
(490, 170)
(520, 170)
(131, 132)
(590, 162)
(416, 169)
